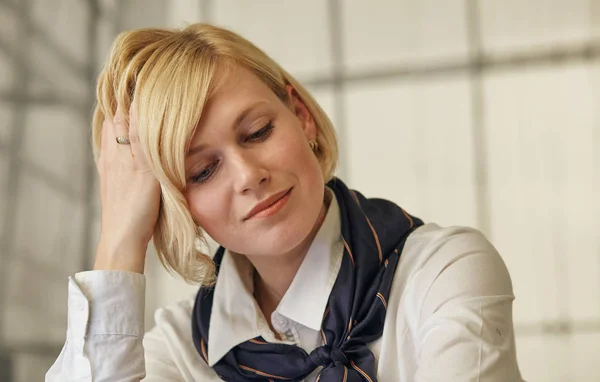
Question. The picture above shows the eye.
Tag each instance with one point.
(204, 174)
(261, 134)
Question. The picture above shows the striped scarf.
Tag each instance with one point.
(374, 232)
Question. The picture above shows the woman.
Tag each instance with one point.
(312, 280)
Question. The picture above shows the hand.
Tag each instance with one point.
(130, 196)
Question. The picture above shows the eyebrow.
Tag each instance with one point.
(239, 119)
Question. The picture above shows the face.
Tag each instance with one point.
(254, 185)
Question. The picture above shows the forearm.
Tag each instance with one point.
(105, 328)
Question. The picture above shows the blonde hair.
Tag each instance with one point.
(171, 74)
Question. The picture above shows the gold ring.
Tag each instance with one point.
(123, 140)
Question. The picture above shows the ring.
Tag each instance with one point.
(123, 140)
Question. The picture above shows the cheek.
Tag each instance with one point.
(306, 164)
(296, 157)
(209, 210)
(291, 151)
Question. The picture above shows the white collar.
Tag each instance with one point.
(236, 316)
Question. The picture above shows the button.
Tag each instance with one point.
(281, 322)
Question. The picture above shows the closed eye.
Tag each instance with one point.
(261, 134)
(204, 174)
(256, 137)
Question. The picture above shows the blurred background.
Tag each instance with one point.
(480, 113)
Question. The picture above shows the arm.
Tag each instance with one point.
(106, 306)
(466, 328)
(105, 331)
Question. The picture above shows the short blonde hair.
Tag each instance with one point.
(171, 75)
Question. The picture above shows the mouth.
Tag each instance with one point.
(270, 205)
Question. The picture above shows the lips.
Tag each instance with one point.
(269, 204)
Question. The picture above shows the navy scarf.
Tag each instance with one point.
(374, 232)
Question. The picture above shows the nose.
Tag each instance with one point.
(249, 172)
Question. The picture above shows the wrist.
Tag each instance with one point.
(129, 257)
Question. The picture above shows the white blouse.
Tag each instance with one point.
(449, 315)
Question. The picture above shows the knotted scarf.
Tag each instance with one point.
(373, 232)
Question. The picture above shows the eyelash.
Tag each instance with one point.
(198, 178)
(259, 136)
(262, 134)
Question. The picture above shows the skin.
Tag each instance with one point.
(248, 146)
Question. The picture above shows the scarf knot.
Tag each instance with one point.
(325, 356)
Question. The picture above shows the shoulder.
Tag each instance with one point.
(435, 242)
(169, 344)
(447, 263)
(174, 318)
(432, 250)
(177, 312)
(450, 310)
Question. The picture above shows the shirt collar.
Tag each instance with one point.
(235, 313)
(233, 319)
(306, 298)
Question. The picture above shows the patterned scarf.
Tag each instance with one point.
(374, 232)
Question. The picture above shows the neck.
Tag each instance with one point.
(274, 274)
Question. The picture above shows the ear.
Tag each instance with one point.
(307, 121)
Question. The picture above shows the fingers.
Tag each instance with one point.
(130, 154)
(103, 136)
(108, 132)
(140, 155)
(120, 127)
(104, 139)
(136, 150)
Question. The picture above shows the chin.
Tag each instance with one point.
(287, 234)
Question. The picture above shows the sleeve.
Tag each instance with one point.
(465, 327)
(105, 329)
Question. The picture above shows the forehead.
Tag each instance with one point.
(234, 89)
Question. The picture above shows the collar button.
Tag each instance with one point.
(282, 323)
